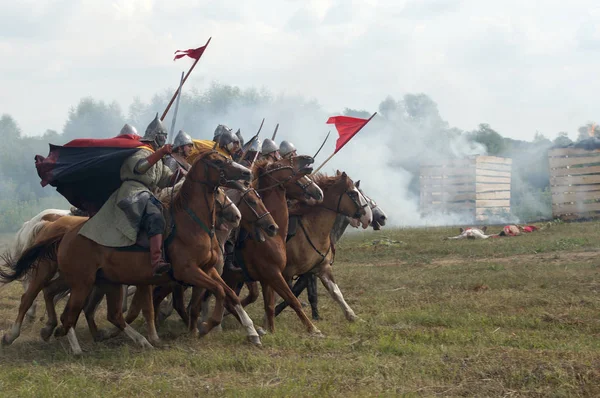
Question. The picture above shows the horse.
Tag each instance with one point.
(227, 214)
(192, 249)
(339, 196)
(308, 281)
(311, 250)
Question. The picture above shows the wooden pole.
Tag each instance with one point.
(172, 132)
(184, 79)
(323, 164)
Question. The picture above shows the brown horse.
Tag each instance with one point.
(193, 251)
(264, 261)
(310, 249)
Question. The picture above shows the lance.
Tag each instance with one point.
(249, 144)
(322, 145)
(336, 151)
(275, 132)
(184, 79)
(172, 132)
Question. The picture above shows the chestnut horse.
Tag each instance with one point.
(193, 251)
(310, 249)
(266, 263)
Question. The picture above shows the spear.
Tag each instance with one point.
(172, 132)
(195, 53)
(275, 132)
(322, 145)
(249, 143)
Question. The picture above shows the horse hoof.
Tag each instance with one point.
(46, 333)
(154, 340)
(317, 333)
(218, 328)
(352, 318)
(60, 332)
(146, 344)
(77, 353)
(5, 341)
(101, 335)
(255, 340)
(261, 331)
(203, 331)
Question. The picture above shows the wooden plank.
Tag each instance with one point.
(448, 196)
(575, 197)
(575, 208)
(577, 216)
(493, 203)
(574, 188)
(493, 166)
(491, 187)
(492, 173)
(492, 210)
(493, 159)
(439, 189)
(492, 180)
(570, 152)
(448, 163)
(493, 195)
(467, 206)
(575, 180)
(447, 181)
(574, 161)
(573, 171)
(446, 171)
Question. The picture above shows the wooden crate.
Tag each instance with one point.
(575, 183)
(477, 187)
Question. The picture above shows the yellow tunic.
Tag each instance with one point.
(201, 146)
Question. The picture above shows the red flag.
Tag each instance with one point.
(347, 128)
(195, 53)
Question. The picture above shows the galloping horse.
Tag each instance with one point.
(308, 281)
(310, 251)
(193, 251)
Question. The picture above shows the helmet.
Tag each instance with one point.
(155, 132)
(239, 136)
(227, 139)
(286, 148)
(268, 146)
(182, 138)
(127, 129)
(219, 130)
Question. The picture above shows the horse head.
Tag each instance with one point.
(228, 215)
(298, 185)
(379, 216)
(342, 197)
(214, 169)
(255, 216)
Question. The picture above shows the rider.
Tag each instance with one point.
(133, 207)
(287, 150)
(128, 129)
(269, 150)
(182, 148)
(252, 149)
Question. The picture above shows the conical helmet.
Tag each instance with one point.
(128, 129)
(238, 134)
(286, 148)
(268, 146)
(155, 132)
(182, 139)
(219, 130)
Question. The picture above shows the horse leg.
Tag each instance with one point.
(236, 309)
(114, 300)
(312, 296)
(79, 293)
(31, 312)
(269, 303)
(178, 303)
(297, 289)
(36, 283)
(54, 288)
(145, 302)
(279, 284)
(91, 306)
(326, 277)
(158, 295)
(125, 295)
(196, 277)
(252, 294)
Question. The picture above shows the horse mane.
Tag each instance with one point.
(324, 182)
(259, 168)
(165, 196)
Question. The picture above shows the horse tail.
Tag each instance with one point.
(29, 259)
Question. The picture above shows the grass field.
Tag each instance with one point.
(513, 316)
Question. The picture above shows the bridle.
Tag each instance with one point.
(357, 204)
(245, 200)
(279, 183)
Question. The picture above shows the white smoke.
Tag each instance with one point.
(385, 155)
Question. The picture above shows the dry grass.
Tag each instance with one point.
(501, 317)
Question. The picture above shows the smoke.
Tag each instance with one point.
(385, 155)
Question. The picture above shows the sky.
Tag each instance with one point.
(521, 66)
